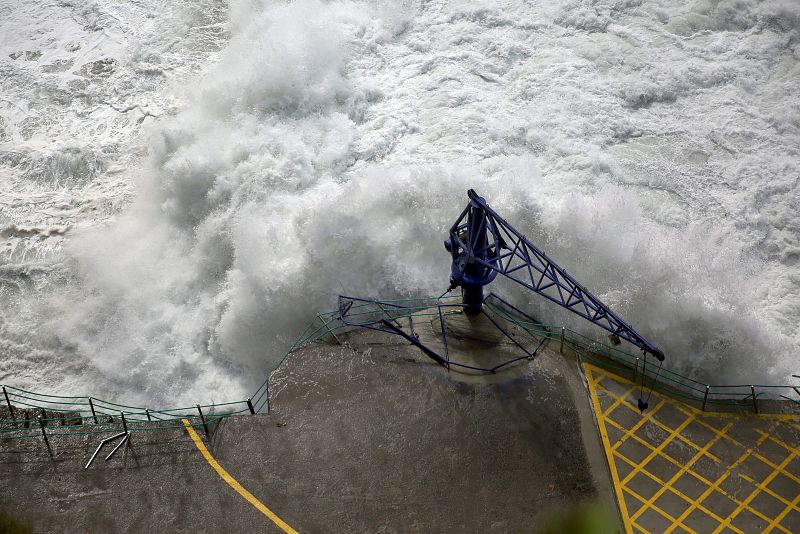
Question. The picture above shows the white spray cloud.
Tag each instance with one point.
(331, 146)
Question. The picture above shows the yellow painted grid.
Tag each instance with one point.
(719, 426)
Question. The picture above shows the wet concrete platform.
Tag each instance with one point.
(678, 469)
(368, 436)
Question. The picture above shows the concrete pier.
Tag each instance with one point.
(371, 435)
(368, 436)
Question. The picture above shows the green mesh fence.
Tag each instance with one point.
(719, 396)
(32, 414)
(650, 374)
(28, 415)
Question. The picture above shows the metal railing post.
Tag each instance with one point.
(203, 419)
(635, 370)
(267, 396)
(250, 406)
(10, 408)
(44, 434)
(147, 411)
(124, 423)
(705, 399)
(561, 349)
(94, 415)
(755, 402)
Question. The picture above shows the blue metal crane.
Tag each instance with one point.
(483, 245)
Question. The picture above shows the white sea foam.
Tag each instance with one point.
(651, 148)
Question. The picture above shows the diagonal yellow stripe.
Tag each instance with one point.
(233, 483)
(587, 369)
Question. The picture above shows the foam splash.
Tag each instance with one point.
(330, 147)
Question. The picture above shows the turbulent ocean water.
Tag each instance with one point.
(182, 185)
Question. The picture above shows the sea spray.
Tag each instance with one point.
(330, 146)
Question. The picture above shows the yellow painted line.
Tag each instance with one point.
(646, 505)
(249, 497)
(607, 447)
(773, 523)
(784, 513)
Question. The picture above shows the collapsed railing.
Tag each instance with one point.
(328, 324)
(760, 398)
(36, 415)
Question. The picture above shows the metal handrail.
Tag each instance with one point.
(90, 420)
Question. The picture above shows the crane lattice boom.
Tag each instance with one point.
(483, 244)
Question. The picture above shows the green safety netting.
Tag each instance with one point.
(719, 396)
(35, 413)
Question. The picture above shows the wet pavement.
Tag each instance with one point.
(678, 469)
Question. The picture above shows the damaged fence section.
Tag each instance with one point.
(356, 313)
(26, 414)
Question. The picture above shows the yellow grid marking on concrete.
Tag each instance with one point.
(656, 451)
(711, 488)
(666, 457)
(771, 523)
(789, 505)
(771, 493)
(622, 485)
(676, 492)
(691, 412)
(779, 418)
(676, 476)
(783, 514)
(654, 507)
(249, 497)
(628, 432)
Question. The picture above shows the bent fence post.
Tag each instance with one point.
(91, 406)
(10, 408)
(203, 419)
(44, 434)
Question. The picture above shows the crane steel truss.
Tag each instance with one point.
(499, 248)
